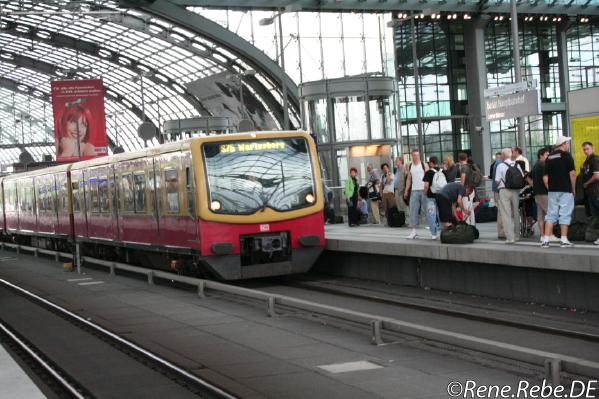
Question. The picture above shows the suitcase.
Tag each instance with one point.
(396, 218)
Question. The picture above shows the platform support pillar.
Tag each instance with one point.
(35, 252)
(57, 256)
(18, 249)
(150, 278)
(553, 369)
(202, 289)
(78, 257)
(271, 306)
(112, 272)
(376, 326)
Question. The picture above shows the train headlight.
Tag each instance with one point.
(215, 205)
(310, 198)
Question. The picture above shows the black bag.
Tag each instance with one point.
(514, 179)
(373, 192)
(579, 198)
(485, 214)
(396, 218)
(576, 231)
(363, 192)
(338, 219)
(592, 232)
(459, 234)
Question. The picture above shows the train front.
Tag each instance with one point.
(260, 204)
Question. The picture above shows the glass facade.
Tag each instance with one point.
(442, 86)
(583, 56)
(539, 63)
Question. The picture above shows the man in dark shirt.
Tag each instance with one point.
(449, 198)
(560, 180)
(590, 178)
(538, 186)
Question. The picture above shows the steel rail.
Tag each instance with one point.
(41, 362)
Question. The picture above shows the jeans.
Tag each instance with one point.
(417, 204)
(594, 206)
(560, 208)
(431, 215)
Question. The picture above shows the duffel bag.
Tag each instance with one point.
(592, 233)
(576, 231)
(460, 234)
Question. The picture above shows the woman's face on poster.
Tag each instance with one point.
(72, 128)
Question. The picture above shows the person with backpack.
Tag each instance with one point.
(351, 195)
(434, 181)
(560, 180)
(388, 190)
(415, 191)
(495, 188)
(510, 180)
(374, 194)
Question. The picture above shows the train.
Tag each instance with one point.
(228, 207)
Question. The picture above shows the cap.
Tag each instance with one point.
(561, 140)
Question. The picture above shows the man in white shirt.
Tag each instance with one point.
(417, 196)
(388, 189)
(509, 198)
(518, 156)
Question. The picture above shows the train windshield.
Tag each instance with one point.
(247, 176)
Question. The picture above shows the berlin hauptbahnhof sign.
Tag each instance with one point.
(524, 103)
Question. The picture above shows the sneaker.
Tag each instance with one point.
(596, 242)
(412, 235)
(510, 241)
(553, 239)
(565, 244)
(545, 244)
(434, 237)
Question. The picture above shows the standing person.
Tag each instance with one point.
(590, 179)
(495, 188)
(538, 186)
(351, 195)
(415, 191)
(374, 194)
(449, 198)
(509, 195)
(464, 167)
(431, 204)
(399, 183)
(560, 180)
(519, 157)
(387, 189)
(451, 170)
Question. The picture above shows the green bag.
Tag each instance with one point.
(576, 231)
(460, 234)
(592, 233)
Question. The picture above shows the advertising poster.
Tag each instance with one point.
(79, 119)
(583, 129)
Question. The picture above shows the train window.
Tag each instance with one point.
(103, 194)
(171, 178)
(113, 193)
(155, 189)
(127, 190)
(41, 200)
(189, 189)
(75, 190)
(140, 192)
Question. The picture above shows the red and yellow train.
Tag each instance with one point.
(232, 206)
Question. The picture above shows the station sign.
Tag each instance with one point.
(506, 89)
(515, 105)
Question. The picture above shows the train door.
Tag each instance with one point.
(63, 211)
(79, 216)
(177, 212)
(100, 222)
(114, 201)
(10, 205)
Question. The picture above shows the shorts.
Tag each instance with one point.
(445, 212)
(560, 207)
(542, 202)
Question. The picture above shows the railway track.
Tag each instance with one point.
(71, 380)
(351, 291)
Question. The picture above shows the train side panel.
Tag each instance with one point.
(47, 216)
(101, 222)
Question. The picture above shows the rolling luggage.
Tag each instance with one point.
(396, 218)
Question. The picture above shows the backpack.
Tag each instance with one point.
(474, 176)
(439, 181)
(514, 179)
(395, 218)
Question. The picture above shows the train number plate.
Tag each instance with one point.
(264, 227)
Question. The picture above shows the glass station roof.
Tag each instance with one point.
(54, 40)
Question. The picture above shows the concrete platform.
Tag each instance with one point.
(377, 239)
(234, 344)
(565, 277)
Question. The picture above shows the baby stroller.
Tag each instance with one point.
(526, 208)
